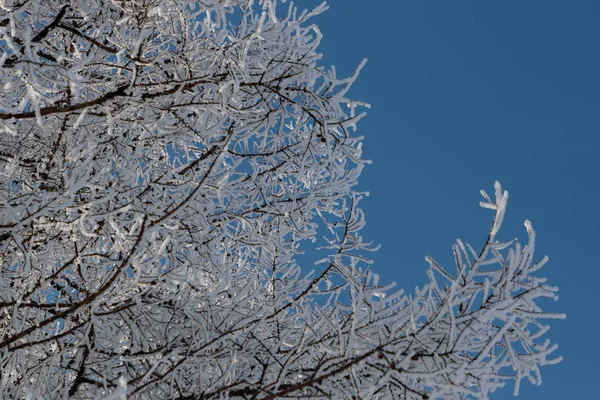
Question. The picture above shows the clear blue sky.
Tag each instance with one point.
(465, 93)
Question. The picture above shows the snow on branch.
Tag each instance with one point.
(164, 167)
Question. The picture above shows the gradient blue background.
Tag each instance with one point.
(465, 93)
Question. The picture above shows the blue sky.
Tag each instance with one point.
(465, 93)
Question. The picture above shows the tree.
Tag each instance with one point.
(163, 164)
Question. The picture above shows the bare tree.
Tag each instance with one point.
(163, 163)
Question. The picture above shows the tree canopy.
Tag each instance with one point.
(163, 165)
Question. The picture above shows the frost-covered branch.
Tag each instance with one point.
(163, 165)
